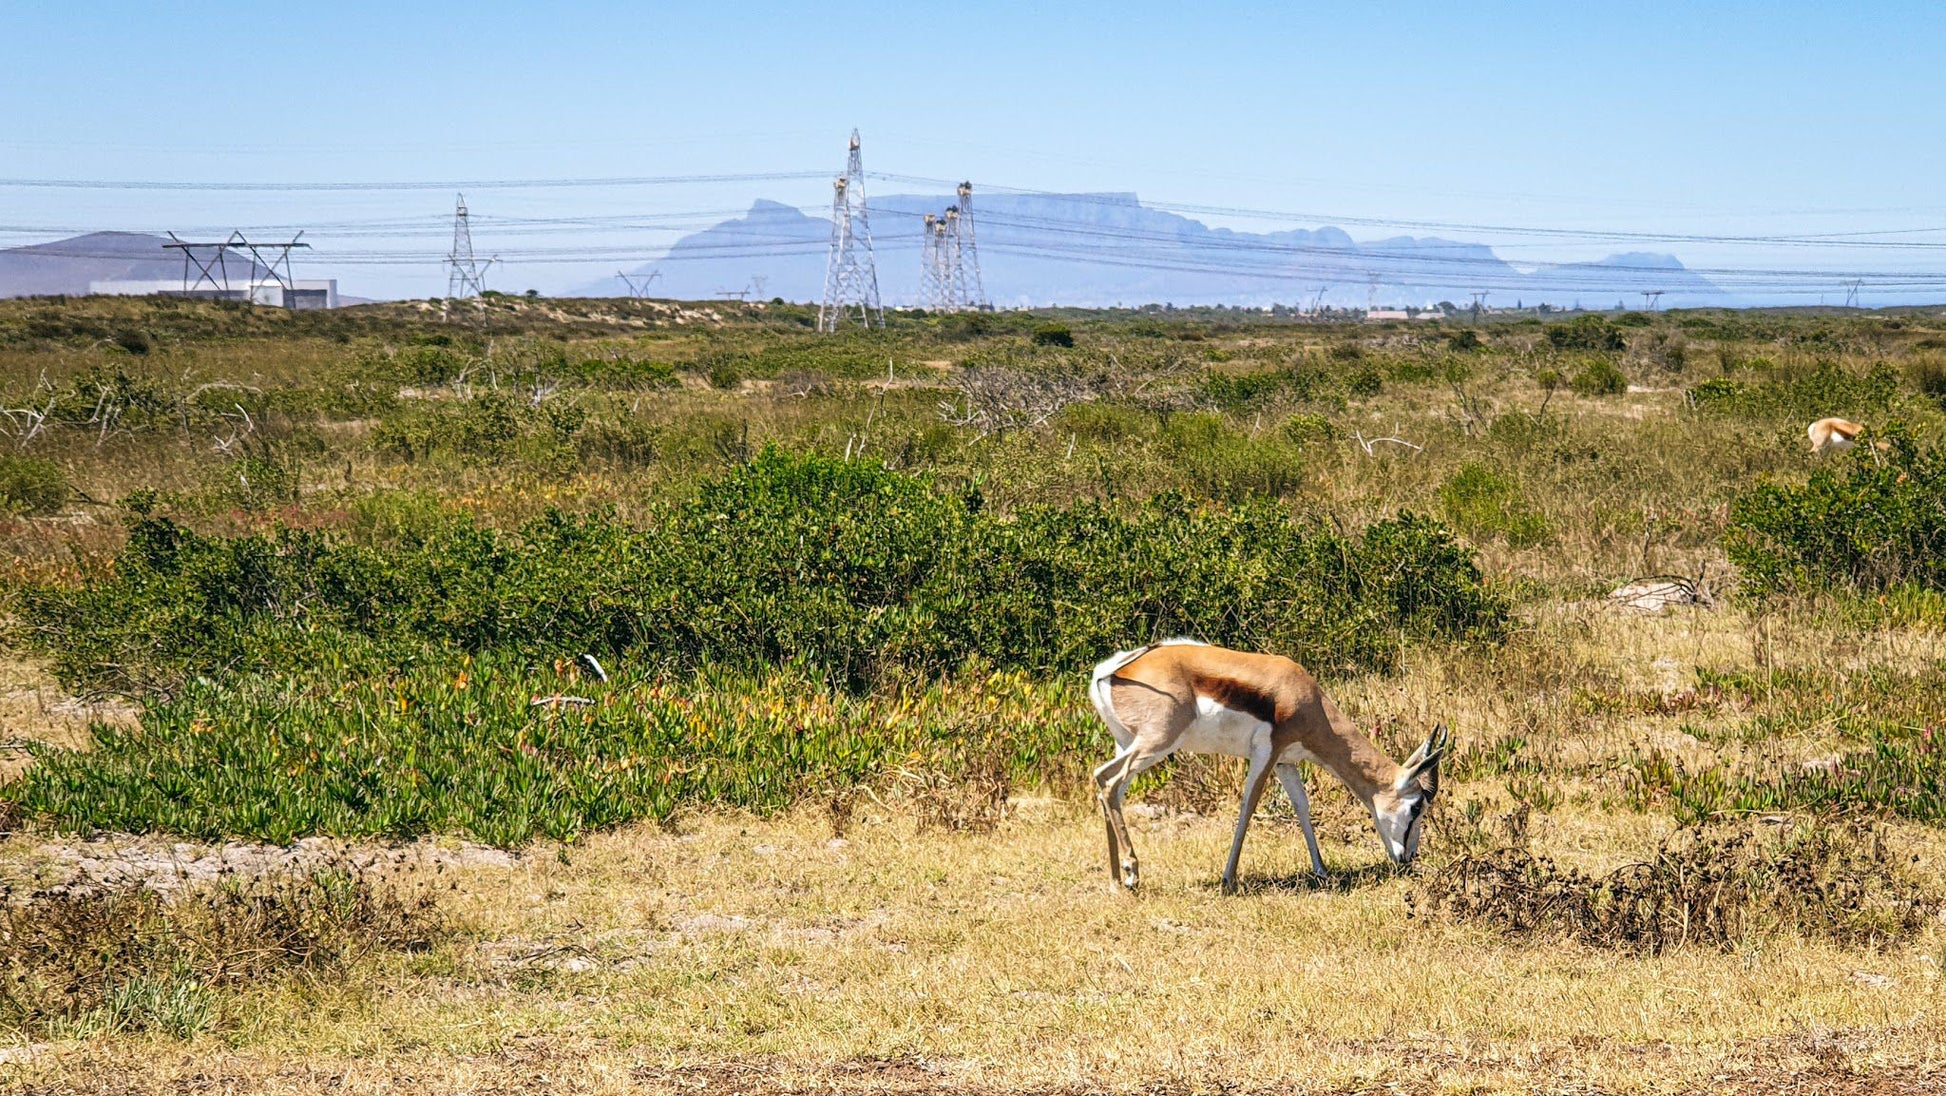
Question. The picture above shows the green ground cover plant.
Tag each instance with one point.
(467, 746)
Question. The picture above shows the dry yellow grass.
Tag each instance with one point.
(737, 953)
(1004, 963)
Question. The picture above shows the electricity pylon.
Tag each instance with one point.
(969, 290)
(468, 275)
(640, 289)
(935, 273)
(850, 273)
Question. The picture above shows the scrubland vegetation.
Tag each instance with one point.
(765, 650)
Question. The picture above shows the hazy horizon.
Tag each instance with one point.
(1550, 134)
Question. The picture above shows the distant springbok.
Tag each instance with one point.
(1833, 434)
(1183, 695)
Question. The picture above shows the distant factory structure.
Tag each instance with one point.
(262, 275)
(298, 294)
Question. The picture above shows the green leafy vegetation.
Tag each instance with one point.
(1870, 521)
(31, 485)
(465, 746)
(1487, 504)
(846, 571)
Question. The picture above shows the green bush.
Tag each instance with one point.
(624, 372)
(489, 426)
(845, 570)
(425, 365)
(621, 443)
(1053, 334)
(1900, 770)
(1099, 421)
(1864, 522)
(1226, 464)
(254, 483)
(1808, 394)
(1599, 377)
(1714, 392)
(1585, 333)
(1485, 504)
(1243, 391)
(30, 485)
(1928, 374)
(1311, 429)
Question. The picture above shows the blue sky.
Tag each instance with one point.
(1734, 119)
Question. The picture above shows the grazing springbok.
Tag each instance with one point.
(1183, 694)
(1834, 434)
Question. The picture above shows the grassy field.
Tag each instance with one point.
(818, 821)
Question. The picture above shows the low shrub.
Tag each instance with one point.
(32, 486)
(1806, 395)
(1865, 521)
(846, 569)
(1365, 382)
(1902, 772)
(82, 962)
(624, 372)
(1709, 887)
(1486, 504)
(1311, 429)
(1927, 372)
(1053, 334)
(1585, 333)
(491, 425)
(1242, 391)
(254, 483)
(1599, 377)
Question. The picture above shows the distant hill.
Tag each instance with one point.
(67, 266)
(1107, 249)
(1625, 277)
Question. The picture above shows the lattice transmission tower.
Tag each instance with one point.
(968, 288)
(935, 270)
(467, 277)
(850, 273)
(949, 261)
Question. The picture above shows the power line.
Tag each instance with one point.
(384, 187)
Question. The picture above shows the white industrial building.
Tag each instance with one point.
(301, 293)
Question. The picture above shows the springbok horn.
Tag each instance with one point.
(1426, 756)
(1418, 755)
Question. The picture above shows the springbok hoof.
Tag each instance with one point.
(1131, 874)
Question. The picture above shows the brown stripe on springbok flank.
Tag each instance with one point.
(1237, 695)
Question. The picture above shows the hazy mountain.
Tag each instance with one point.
(1624, 277)
(67, 266)
(1107, 249)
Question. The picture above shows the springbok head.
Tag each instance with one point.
(1400, 810)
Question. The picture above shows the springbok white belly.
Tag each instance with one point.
(1228, 731)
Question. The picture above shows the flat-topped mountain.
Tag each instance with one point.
(1108, 249)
